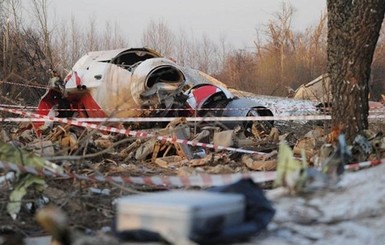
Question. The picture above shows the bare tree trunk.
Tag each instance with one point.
(160, 37)
(11, 33)
(281, 42)
(92, 43)
(353, 33)
(40, 8)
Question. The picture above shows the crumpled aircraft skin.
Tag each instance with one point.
(126, 82)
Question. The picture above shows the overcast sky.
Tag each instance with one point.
(236, 20)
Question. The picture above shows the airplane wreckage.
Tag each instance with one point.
(139, 82)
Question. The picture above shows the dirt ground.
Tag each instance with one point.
(90, 211)
(86, 210)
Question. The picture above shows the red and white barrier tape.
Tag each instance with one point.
(21, 107)
(305, 110)
(188, 119)
(29, 108)
(287, 109)
(202, 180)
(361, 165)
(138, 134)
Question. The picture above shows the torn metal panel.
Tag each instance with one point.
(317, 90)
(203, 96)
(224, 138)
(195, 77)
(183, 150)
(121, 90)
(145, 149)
(168, 161)
(243, 107)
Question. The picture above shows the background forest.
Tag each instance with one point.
(281, 59)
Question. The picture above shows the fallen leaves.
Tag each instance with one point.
(90, 152)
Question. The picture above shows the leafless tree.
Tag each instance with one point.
(281, 54)
(40, 12)
(317, 47)
(92, 42)
(76, 41)
(159, 36)
(181, 47)
(239, 71)
(207, 55)
(11, 16)
(112, 37)
(281, 37)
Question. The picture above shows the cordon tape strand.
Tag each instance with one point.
(361, 165)
(293, 108)
(201, 180)
(188, 119)
(141, 134)
(167, 181)
(138, 134)
(286, 109)
(303, 109)
(169, 119)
